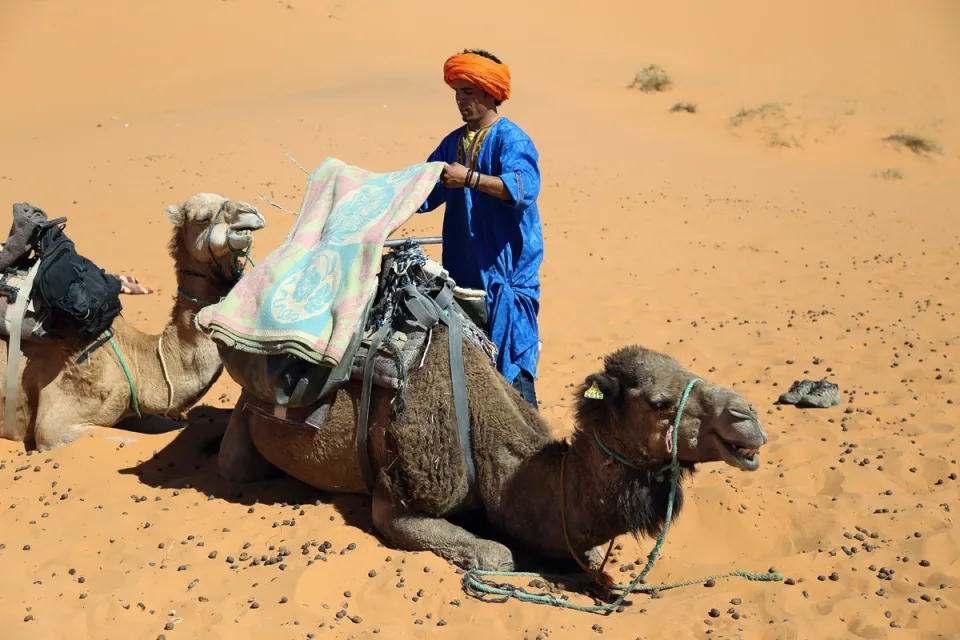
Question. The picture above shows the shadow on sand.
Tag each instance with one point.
(189, 461)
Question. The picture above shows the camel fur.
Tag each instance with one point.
(60, 398)
(421, 477)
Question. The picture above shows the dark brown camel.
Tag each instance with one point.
(420, 471)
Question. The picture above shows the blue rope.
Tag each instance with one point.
(475, 586)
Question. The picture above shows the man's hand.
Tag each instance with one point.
(454, 176)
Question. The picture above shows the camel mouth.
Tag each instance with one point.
(240, 235)
(248, 224)
(746, 458)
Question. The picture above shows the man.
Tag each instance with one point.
(492, 238)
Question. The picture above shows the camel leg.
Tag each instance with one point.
(238, 458)
(53, 433)
(58, 419)
(594, 557)
(414, 531)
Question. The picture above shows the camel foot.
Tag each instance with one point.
(594, 557)
(414, 531)
(239, 459)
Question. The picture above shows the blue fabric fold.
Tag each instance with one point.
(497, 245)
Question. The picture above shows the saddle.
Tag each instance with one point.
(413, 296)
(48, 292)
(396, 326)
(18, 269)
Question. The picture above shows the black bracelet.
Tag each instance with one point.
(466, 181)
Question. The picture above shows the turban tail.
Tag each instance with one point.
(485, 73)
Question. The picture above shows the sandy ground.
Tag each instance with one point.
(757, 250)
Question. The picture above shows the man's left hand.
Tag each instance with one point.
(454, 176)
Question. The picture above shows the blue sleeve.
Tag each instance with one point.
(439, 194)
(520, 171)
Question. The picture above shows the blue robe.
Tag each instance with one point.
(497, 245)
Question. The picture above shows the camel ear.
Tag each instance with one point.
(175, 215)
(602, 387)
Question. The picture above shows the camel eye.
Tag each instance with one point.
(660, 404)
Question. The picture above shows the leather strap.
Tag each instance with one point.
(458, 378)
(363, 423)
(443, 311)
(428, 312)
(16, 313)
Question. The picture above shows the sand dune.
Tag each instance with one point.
(772, 235)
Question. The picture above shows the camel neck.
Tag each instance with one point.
(601, 498)
(174, 369)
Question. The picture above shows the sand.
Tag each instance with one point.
(771, 235)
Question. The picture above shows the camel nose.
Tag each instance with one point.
(734, 413)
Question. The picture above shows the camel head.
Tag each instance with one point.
(214, 232)
(641, 392)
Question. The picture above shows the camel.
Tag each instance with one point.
(554, 497)
(60, 398)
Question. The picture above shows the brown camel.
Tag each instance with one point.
(170, 372)
(421, 476)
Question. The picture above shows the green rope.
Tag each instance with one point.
(126, 372)
(186, 296)
(613, 454)
(476, 586)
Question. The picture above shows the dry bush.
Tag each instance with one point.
(915, 143)
(689, 107)
(651, 78)
(889, 174)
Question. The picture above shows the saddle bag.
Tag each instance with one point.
(82, 299)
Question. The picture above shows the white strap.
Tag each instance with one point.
(15, 315)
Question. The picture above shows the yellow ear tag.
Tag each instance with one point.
(593, 392)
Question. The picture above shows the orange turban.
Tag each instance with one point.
(483, 72)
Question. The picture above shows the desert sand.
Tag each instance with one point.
(771, 235)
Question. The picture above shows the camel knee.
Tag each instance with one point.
(239, 459)
(49, 437)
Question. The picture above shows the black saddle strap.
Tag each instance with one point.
(442, 310)
(102, 340)
(460, 404)
(363, 422)
(428, 312)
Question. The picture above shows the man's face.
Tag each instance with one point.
(473, 102)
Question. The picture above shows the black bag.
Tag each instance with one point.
(82, 298)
